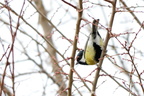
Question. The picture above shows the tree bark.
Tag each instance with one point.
(47, 28)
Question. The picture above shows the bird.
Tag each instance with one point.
(93, 48)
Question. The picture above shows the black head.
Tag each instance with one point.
(80, 58)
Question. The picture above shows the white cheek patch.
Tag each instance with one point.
(83, 59)
(98, 41)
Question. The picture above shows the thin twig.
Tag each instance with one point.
(40, 13)
(70, 4)
(132, 13)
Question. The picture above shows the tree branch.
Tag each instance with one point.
(105, 46)
(74, 49)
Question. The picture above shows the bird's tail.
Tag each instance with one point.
(95, 28)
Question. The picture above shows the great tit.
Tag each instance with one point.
(93, 47)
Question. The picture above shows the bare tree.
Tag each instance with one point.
(39, 40)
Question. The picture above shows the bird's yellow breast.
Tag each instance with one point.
(89, 55)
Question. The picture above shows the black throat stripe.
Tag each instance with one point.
(98, 51)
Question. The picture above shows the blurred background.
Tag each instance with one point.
(36, 42)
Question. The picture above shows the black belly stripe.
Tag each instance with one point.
(98, 51)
